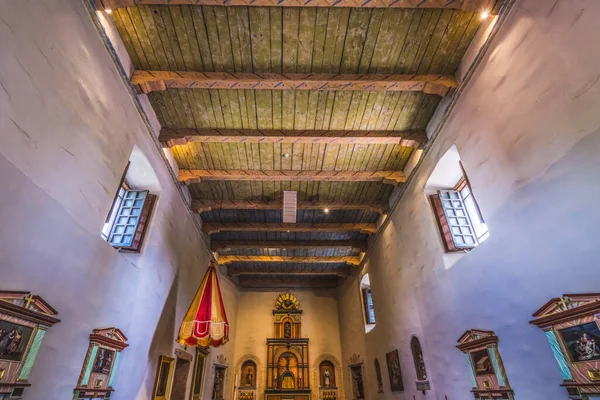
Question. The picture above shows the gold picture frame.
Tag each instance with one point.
(164, 378)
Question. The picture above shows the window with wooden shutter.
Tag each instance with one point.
(455, 224)
(132, 219)
(369, 308)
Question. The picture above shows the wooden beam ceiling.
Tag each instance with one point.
(287, 281)
(352, 260)
(241, 269)
(209, 205)
(150, 81)
(214, 227)
(217, 245)
(465, 5)
(172, 137)
(189, 176)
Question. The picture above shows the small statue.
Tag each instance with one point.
(249, 377)
(326, 376)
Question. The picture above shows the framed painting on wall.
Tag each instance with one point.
(393, 364)
(14, 339)
(164, 378)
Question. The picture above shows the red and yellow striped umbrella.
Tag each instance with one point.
(205, 323)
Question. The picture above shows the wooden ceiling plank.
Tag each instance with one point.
(464, 5)
(153, 80)
(215, 227)
(434, 40)
(228, 259)
(287, 244)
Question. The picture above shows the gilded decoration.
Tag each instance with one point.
(287, 301)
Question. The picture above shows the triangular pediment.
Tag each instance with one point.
(111, 333)
(566, 303)
(473, 335)
(28, 301)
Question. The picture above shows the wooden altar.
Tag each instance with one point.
(287, 354)
(571, 324)
(24, 320)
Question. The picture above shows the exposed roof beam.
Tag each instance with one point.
(214, 227)
(208, 205)
(149, 81)
(198, 175)
(352, 260)
(288, 244)
(172, 137)
(287, 281)
(268, 270)
(465, 5)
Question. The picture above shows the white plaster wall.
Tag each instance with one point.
(67, 127)
(528, 131)
(320, 324)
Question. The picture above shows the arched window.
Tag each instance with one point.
(379, 378)
(368, 305)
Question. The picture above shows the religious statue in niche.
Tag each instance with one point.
(419, 361)
(393, 364)
(248, 375)
(218, 382)
(100, 364)
(358, 391)
(327, 374)
(572, 327)
(24, 319)
(488, 377)
(356, 374)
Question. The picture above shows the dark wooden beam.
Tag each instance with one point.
(172, 137)
(288, 244)
(214, 227)
(465, 5)
(150, 81)
(275, 269)
(189, 176)
(352, 260)
(208, 205)
(287, 281)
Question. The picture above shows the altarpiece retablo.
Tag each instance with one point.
(24, 319)
(572, 327)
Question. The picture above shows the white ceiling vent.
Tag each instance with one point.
(290, 205)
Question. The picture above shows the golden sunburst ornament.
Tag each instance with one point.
(287, 301)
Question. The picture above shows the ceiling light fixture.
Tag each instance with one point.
(286, 155)
(326, 211)
(485, 14)
(108, 11)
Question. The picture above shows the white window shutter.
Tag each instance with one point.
(458, 219)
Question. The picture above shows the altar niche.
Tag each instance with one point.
(572, 327)
(24, 319)
(287, 354)
(488, 376)
(100, 364)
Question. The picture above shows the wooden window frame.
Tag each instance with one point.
(366, 294)
(141, 226)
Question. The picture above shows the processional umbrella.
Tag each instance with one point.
(205, 323)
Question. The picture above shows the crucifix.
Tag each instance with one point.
(28, 300)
